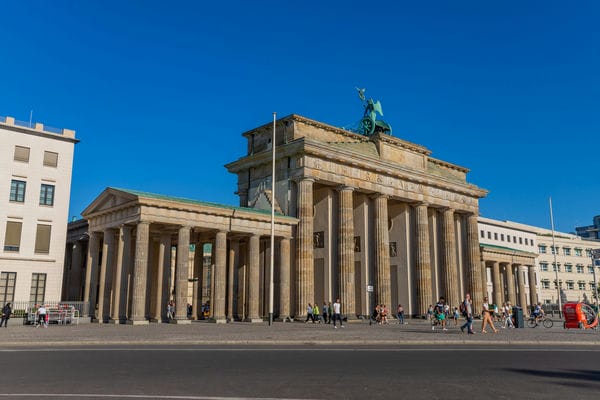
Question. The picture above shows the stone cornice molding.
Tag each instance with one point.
(400, 143)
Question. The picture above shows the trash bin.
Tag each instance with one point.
(517, 313)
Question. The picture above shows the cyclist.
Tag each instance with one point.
(538, 312)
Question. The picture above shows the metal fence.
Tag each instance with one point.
(53, 130)
(21, 308)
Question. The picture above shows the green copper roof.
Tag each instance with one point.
(197, 202)
(506, 248)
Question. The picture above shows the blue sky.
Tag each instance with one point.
(160, 92)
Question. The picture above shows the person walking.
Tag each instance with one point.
(41, 313)
(309, 314)
(337, 313)
(487, 316)
(455, 315)
(6, 312)
(316, 313)
(325, 312)
(467, 309)
(440, 314)
(400, 314)
(507, 314)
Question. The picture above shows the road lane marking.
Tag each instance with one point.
(137, 396)
(385, 350)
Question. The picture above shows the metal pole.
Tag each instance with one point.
(555, 264)
(272, 224)
(593, 254)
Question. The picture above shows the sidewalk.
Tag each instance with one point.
(416, 332)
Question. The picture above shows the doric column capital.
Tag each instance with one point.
(345, 188)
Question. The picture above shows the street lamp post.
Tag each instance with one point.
(271, 269)
(595, 254)
(555, 263)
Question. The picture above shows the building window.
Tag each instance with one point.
(21, 154)
(544, 267)
(520, 240)
(526, 241)
(580, 269)
(532, 244)
(568, 268)
(38, 288)
(566, 251)
(581, 285)
(50, 159)
(592, 285)
(17, 190)
(7, 287)
(12, 239)
(570, 285)
(545, 284)
(514, 239)
(495, 236)
(47, 195)
(489, 235)
(578, 252)
(42, 239)
(590, 269)
(559, 284)
(555, 268)
(542, 249)
(502, 237)
(554, 249)
(588, 253)
(482, 234)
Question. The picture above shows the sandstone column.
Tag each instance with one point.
(474, 263)
(305, 270)
(522, 271)
(510, 283)
(382, 252)
(75, 283)
(91, 275)
(234, 250)
(162, 273)
(346, 252)
(106, 265)
(140, 274)
(284, 279)
(484, 280)
(423, 262)
(182, 274)
(253, 278)
(220, 277)
(497, 283)
(121, 268)
(449, 263)
(532, 285)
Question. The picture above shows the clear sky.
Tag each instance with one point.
(160, 92)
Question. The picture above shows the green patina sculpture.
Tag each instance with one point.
(369, 124)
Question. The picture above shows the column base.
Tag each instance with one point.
(284, 319)
(253, 320)
(136, 322)
(180, 321)
(218, 320)
(114, 321)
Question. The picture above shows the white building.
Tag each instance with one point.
(35, 182)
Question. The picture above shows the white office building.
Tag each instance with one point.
(35, 182)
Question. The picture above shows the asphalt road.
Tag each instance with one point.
(196, 372)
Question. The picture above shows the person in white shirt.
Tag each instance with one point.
(41, 312)
(337, 313)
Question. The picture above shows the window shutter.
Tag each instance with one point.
(13, 234)
(42, 239)
(50, 159)
(21, 153)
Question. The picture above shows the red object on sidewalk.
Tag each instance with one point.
(579, 316)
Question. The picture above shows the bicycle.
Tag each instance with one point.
(533, 321)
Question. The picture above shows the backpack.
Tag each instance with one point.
(463, 309)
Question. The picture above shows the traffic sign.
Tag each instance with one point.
(369, 288)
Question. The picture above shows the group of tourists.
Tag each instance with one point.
(330, 312)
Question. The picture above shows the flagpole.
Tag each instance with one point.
(271, 271)
(555, 264)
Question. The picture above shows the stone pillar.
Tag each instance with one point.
(284, 279)
(484, 280)
(182, 274)
(382, 252)
(532, 285)
(162, 280)
(140, 274)
(346, 252)
(497, 283)
(510, 283)
(473, 263)
(91, 275)
(305, 270)
(423, 262)
(76, 257)
(449, 263)
(219, 277)
(108, 251)
(121, 268)
(253, 278)
(522, 271)
(234, 250)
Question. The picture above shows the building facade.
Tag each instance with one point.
(590, 231)
(35, 183)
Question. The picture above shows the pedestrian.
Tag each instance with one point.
(400, 314)
(455, 315)
(316, 313)
(309, 314)
(6, 312)
(325, 312)
(41, 313)
(170, 310)
(507, 314)
(330, 310)
(467, 309)
(337, 313)
(384, 314)
(430, 313)
(486, 314)
(440, 314)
